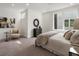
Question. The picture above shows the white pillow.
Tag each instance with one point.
(75, 38)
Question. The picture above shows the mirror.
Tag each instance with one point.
(36, 22)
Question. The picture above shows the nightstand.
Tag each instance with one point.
(74, 51)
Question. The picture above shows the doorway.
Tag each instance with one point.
(55, 21)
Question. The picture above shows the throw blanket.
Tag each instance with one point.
(42, 39)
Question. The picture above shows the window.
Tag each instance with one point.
(71, 22)
(68, 23)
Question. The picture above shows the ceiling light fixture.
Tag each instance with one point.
(27, 4)
(13, 4)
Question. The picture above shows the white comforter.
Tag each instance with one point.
(57, 43)
(42, 39)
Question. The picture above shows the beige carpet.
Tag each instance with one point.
(22, 47)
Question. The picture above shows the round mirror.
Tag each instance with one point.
(36, 22)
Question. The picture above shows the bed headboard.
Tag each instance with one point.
(76, 24)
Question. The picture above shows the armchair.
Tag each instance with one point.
(14, 34)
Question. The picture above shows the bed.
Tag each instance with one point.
(54, 42)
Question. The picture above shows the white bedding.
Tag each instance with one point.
(43, 38)
(58, 44)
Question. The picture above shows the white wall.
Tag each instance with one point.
(24, 23)
(46, 19)
(62, 14)
(32, 14)
(67, 13)
(47, 22)
(9, 13)
(27, 21)
(24, 19)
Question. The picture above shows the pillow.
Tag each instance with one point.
(75, 38)
(65, 33)
(14, 31)
(68, 34)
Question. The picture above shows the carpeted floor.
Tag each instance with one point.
(22, 47)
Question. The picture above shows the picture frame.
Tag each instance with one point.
(6, 22)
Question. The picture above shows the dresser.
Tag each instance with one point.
(37, 31)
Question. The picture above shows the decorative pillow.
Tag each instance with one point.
(68, 34)
(15, 31)
(75, 38)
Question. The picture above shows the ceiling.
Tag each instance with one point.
(37, 6)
